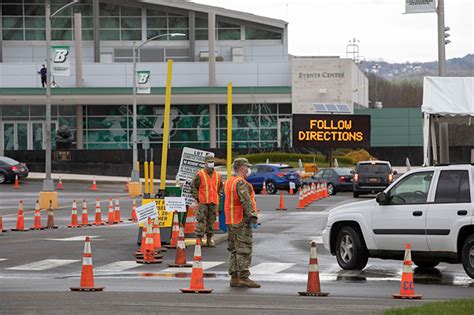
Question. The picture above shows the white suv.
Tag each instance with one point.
(431, 208)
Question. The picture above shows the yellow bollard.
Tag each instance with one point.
(145, 173)
(135, 188)
(166, 126)
(152, 177)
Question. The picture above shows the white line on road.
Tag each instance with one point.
(3, 259)
(205, 265)
(269, 268)
(118, 266)
(81, 238)
(44, 264)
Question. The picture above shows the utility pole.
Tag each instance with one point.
(442, 41)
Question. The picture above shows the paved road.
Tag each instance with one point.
(39, 267)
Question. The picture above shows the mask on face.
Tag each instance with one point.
(210, 165)
(249, 171)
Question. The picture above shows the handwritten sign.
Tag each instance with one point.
(165, 219)
(146, 211)
(173, 204)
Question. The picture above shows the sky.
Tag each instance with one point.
(324, 27)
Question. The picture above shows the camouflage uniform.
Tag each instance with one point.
(206, 213)
(240, 236)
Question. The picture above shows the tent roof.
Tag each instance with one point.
(448, 96)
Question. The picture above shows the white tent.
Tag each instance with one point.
(445, 99)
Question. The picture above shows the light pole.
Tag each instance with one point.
(375, 69)
(135, 176)
(48, 185)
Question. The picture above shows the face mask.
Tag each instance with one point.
(210, 165)
(249, 171)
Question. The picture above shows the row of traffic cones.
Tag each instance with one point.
(311, 193)
(37, 224)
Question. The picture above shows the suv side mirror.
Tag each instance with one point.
(395, 172)
(382, 198)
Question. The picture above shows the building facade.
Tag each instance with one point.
(216, 46)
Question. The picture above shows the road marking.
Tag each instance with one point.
(205, 265)
(118, 266)
(3, 259)
(44, 264)
(269, 268)
(81, 238)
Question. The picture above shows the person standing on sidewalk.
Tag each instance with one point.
(241, 213)
(206, 187)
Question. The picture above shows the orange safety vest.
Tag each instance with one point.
(209, 187)
(234, 210)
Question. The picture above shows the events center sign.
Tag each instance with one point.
(346, 131)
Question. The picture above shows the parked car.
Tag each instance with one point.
(276, 176)
(431, 208)
(371, 177)
(337, 178)
(9, 168)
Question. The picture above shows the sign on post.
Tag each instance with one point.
(143, 82)
(165, 219)
(315, 131)
(60, 64)
(192, 160)
(420, 6)
(173, 204)
(146, 211)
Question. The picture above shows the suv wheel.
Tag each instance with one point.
(351, 252)
(467, 256)
(425, 264)
(3, 178)
(271, 188)
(331, 189)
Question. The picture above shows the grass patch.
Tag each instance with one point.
(458, 307)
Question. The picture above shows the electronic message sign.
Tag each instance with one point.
(346, 131)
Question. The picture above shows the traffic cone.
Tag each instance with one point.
(111, 213)
(60, 184)
(85, 216)
(20, 222)
(37, 222)
(174, 232)
(407, 285)
(134, 211)
(305, 196)
(149, 255)
(197, 281)
(314, 192)
(87, 274)
(291, 190)
(1, 225)
(117, 212)
(74, 221)
(157, 238)
(300, 199)
(282, 202)
(314, 287)
(98, 213)
(94, 185)
(264, 189)
(50, 224)
(326, 193)
(180, 259)
(147, 228)
(16, 185)
(127, 185)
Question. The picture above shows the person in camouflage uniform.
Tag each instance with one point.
(241, 214)
(206, 188)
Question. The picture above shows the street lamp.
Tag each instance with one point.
(375, 69)
(48, 185)
(135, 176)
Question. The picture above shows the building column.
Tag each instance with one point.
(79, 79)
(212, 77)
(192, 36)
(95, 13)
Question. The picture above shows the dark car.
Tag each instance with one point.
(275, 176)
(337, 179)
(371, 177)
(9, 168)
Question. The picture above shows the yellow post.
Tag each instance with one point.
(166, 128)
(145, 171)
(229, 129)
(152, 177)
(138, 168)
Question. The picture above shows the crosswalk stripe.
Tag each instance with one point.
(205, 265)
(44, 264)
(81, 238)
(269, 268)
(3, 259)
(118, 266)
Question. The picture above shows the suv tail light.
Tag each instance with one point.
(390, 177)
(14, 168)
(280, 174)
(342, 179)
(356, 177)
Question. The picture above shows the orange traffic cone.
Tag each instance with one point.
(94, 185)
(180, 259)
(282, 202)
(87, 274)
(117, 219)
(264, 189)
(1, 225)
(174, 232)
(50, 223)
(326, 193)
(292, 192)
(147, 229)
(98, 213)
(85, 216)
(407, 286)
(74, 221)
(37, 222)
(190, 225)
(149, 256)
(111, 213)
(197, 281)
(60, 184)
(16, 185)
(157, 238)
(20, 222)
(314, 287)
(134, 211)
(300, 199)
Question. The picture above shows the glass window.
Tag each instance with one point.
(319, 174)
(177, 22)
(201, 34)
(153, 33)
(61, 22)
(228, 34)
(35, 34)
(131, 35)
(34, 10)
(131, 11)
(253, 33)
(85, 9)
(13, 22)
(453, 187)
(87, 22)
(413, 189)
(63, 12)
(34, 22)
(109, 23)
(327, 174)
(109, 10)
(378, 168)
(87, 35)
(226, 25)
(110, 35)
(201, 23)
(131, 22)
(155, 13)
(157, 22)
(12, 9)
(9, 34)
(61, 34)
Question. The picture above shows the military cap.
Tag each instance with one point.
(239, 162)
(209, 158)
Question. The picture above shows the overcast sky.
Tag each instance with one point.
(324, 27)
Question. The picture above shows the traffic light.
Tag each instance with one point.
(446, 35)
